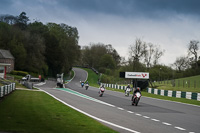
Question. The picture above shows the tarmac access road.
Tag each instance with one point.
(115, 110)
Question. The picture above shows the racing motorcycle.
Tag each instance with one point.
(127, 92)
(136, 98)
(101, 91)
(86, 86)
(82, 84)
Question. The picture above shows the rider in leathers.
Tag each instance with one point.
(135, 91)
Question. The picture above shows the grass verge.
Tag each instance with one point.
(34, 111)
(92, 77)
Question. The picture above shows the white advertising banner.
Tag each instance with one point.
(137, 75)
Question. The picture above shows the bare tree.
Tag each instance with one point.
(149, 51)
(157, 54)
(181, 63)
(193, 50)
(137, 50)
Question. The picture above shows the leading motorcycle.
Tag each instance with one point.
(136, 98)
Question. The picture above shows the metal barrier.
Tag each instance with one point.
(28, 84)
(7, 89)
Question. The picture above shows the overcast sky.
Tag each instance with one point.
(168, 23)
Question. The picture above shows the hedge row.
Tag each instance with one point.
(20, 73)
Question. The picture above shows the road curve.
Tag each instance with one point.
(115, 110)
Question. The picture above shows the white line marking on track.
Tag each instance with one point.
(130, 112)
(39, 84)
(138, 114)
(165, 123)
(180, 128)
(155, 120)
(146, 117)
(120, 108)
(191, 132)
(109, 123)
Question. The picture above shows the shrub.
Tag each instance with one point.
(105, 79)
(20, 73)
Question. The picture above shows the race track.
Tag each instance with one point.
(115, 110)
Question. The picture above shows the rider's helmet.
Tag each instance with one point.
(102, 85)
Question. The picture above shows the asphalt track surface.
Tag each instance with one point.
(115, 110)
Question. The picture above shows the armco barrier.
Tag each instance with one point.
(177, 94)
(114, 86)
(169, 93)
(6, 89)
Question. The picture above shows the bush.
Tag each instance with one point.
(105, 79)
(20, 73)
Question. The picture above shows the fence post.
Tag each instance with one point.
(188, 83)
(4, 91)
(0, 91)
(9, 88)
(178, 83)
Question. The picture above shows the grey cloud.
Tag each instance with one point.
(135, 7)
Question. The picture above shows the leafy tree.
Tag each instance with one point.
(22, 21)
(9, 19)
(107, 61)
(113, 53)
(67, 46)
(92, 54)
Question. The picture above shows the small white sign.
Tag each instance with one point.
(137, 75)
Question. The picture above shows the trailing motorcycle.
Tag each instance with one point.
(86, 86)
(127, 92)
(136, 98)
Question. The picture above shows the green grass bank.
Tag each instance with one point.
(36, 112)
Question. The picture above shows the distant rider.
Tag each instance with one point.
(128, 87)
(87, 83)
(101, 87)
(82, 83)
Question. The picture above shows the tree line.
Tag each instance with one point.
(45, 49)
(53, 48)
(143, 57)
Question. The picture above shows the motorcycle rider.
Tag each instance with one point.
(127, 88)
(135, 91)
(82, 83)
(101, 87)
(87, 85)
